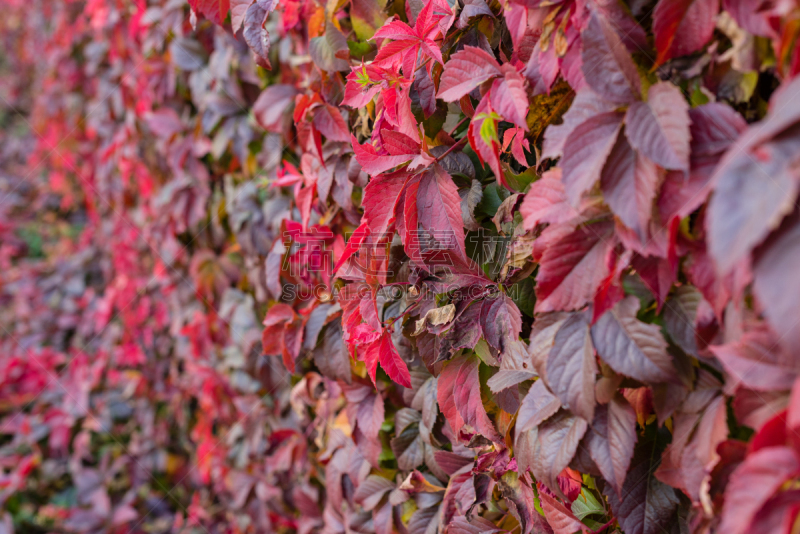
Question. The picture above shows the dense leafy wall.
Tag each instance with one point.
(385, 266)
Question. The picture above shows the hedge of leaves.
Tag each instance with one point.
(375, 266)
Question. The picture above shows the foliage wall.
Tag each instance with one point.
(399, 266)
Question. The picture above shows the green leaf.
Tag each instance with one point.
(586, 504)
(520, 181)
(523, 295)
(359, 49)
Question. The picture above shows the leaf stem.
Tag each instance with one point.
(461, 142)
(451, 132)
(601, 529)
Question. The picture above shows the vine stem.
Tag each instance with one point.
(601, 529)
(451, 132)
(410, 308)
(462, 142)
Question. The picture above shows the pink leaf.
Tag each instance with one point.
(607, 65)
(682, 27)
(659, 129)
(590, 144)
(466, 70)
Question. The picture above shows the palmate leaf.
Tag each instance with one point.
(690, 212)
(384, 352)
(509, 97)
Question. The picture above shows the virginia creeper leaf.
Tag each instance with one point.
(466, 70)
(612, 439)
(571, 366)
(607, 65)
(682, 27)
(659, 129)
(630, 346)
(590, 144)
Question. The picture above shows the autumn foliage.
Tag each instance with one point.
(421, 266)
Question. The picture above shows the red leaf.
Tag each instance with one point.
(559, 517)
(659, 129)
(629, 182)
(516, 138)
(612, 439)
(381, 200)
(432, 218)
(214, 10)
(398, 144)
(607, 65)
(483, 137)
(373, 163)
(753, 483)
(382, 350)
(238, 10)
(353, 244)
(572, 269)
(657, 274)
(509, 97)
(757, 361)
(546, 202)
(331, 124)
(255, 33)
(775, 283)
(589, 146)
(571, 368)
(682, 27)
(466, 70)
(555, 447)
(501, 321)
(272, 106)
(536, 407)
(459, 396)
(630, 346)
(755, 182)
(586, 105)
